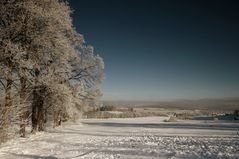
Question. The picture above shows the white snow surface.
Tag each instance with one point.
(138, 138)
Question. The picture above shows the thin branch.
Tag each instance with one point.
(3, 84)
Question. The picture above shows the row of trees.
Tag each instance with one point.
(47, 72)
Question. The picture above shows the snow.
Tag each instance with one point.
(141, 138)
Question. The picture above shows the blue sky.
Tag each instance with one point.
(163, 50)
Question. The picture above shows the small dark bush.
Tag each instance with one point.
(236, 113)
(131, 109)
(107, 108)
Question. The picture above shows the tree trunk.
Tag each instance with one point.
(8, 104)
(40, 116)
(57, 118)
(24, 110)
(8, 97)
(35, 101)
(34, 112)
(38, 112)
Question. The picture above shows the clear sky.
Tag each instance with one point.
(163, 49)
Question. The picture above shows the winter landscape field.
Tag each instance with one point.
(119, 79)
(135, 138)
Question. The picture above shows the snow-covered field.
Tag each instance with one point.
(138, 138)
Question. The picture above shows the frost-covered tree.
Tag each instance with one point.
(46, 61)
(87, 76)
(33, 34)
(50, 48)
(9, 49)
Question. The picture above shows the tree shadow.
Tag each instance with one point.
(165, 125)
(32, 156)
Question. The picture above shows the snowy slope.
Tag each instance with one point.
(139, 138)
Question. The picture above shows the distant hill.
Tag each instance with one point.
(220, 103)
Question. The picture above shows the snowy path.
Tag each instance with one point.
(140, 138)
